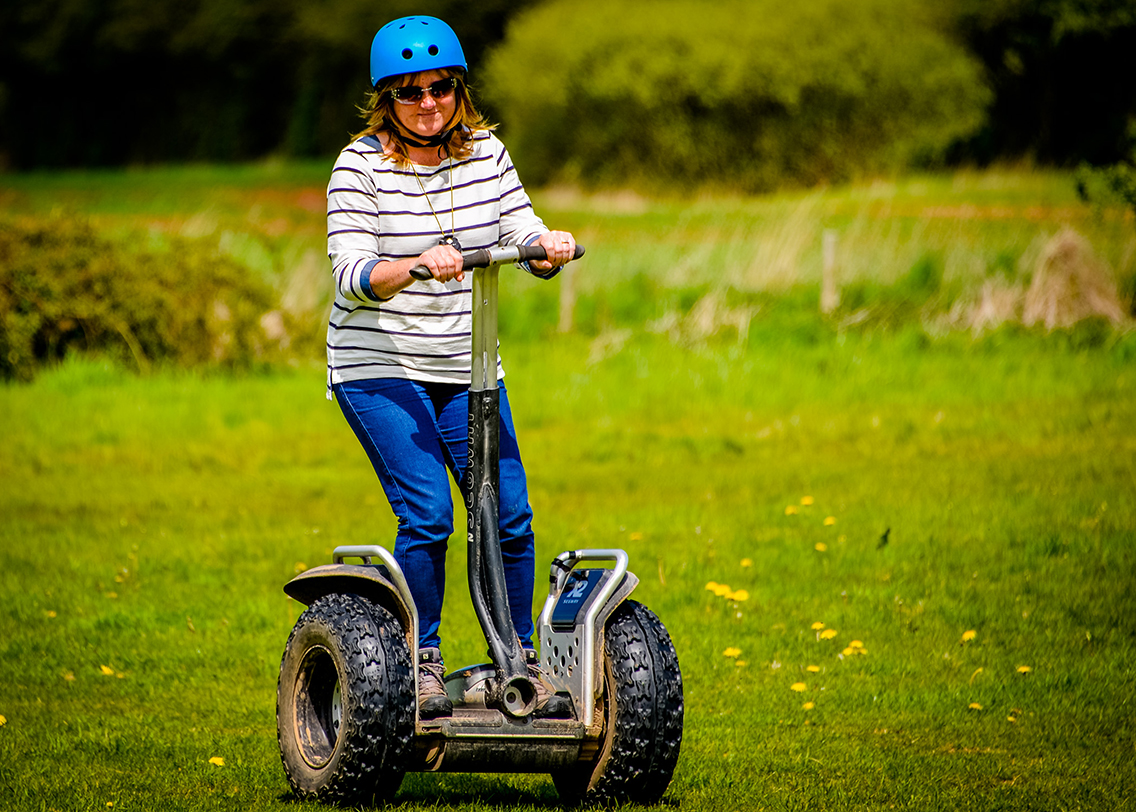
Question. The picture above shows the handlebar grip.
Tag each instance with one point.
(531, 252)
(484, 257)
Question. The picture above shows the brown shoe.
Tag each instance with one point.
(432, 698)
(549, 705)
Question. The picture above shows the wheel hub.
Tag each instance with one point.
(319, 707)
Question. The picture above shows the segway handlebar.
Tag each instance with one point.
(485, 257)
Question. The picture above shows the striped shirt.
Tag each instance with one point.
(378, 211)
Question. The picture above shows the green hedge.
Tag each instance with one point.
(743, 94)
(65, 288)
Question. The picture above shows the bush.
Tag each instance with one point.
(64, 288)
(746, 94)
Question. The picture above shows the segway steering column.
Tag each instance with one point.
(512, 691)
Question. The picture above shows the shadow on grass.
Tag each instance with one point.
(463, 790)
(469, 791)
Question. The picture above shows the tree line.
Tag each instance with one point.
(750, 94)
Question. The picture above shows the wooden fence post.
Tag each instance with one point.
(567, 299)
(829, 292)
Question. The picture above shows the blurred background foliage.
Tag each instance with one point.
(750, 95)
(752, 92)
(64, 287)
(113, 82)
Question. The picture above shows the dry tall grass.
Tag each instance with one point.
(1063, 282)
(1071, 283)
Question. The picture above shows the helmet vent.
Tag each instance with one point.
(433, 50)
(407, 53)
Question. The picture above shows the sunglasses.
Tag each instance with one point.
(412, 94)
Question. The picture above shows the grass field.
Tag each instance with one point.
(963, 507)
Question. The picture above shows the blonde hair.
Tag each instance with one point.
(379, 113)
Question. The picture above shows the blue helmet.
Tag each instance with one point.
(414, 45)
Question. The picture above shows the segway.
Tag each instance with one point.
(346, 704)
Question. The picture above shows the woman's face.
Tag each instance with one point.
(429, 116)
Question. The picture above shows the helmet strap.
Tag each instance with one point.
(439, 140)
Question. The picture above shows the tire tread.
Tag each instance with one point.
(378, 700)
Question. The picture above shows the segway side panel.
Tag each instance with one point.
(572, 623)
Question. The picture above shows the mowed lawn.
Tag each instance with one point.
(896, 557)
(963, 512)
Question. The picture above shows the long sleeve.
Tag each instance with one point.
(353, 222)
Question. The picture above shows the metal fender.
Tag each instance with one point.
(367, 581)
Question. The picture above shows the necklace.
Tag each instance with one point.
(452, 238)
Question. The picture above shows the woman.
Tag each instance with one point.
(425, 180)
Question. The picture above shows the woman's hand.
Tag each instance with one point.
(444, 263)
(560, 247)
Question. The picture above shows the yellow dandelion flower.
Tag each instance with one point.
(740, 595)
(722, 590)
(817, 626)
(3, 721)
(106, 670)
(790, 510)
(861, 650)
(740, 663)
(808, 706)
(829, 521)
(300, 567)
(806, 500)
(217, 761)
(711, 585)
(974, 706)
(731, 652)
(110, 803)
(812, 669)
(799, 687)
(1024, 669)
(1011, 719)
(848, 652)
(856, 644)
(828, 634)
(969, 635)
(747, 562)
(821, 547)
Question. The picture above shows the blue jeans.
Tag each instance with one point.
(416, 436)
